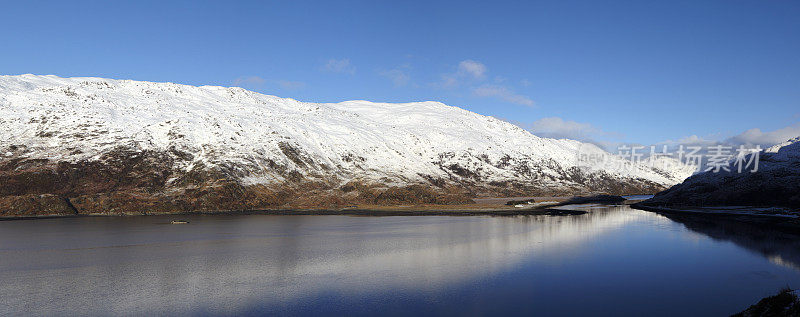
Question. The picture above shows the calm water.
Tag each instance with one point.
(610, 261)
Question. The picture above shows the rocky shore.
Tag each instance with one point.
(34, 209)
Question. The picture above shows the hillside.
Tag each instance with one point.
(93, 145)
(775, 183)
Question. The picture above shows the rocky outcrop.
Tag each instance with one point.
(128, 182)
(35, 205)
(784, 304)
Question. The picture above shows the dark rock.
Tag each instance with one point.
(784, 303)
(35, 205)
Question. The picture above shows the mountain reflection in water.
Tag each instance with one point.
(779, 246)
(615, 259)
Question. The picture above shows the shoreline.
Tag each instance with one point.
(786, 221)
(334, 212)
(483, 207)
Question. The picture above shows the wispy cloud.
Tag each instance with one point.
(259, 82)
(503, 93)
(447, 81)
(467, 70)
(692, 140)
(291, 85)
(398, 75)
(748, 138)
(339, 66)
(555, 127)
(757, 137)
(472, 74)
(558, 128)
(249, 81)
(470, 68)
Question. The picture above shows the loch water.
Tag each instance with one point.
(612, 260)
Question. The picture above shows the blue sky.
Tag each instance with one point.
(609, 71)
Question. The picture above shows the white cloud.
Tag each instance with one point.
(749, 138)
(399, 75)
(339, 66)
(467, 70)
(703, 144)
(765, 139)
(474, 73)
(249, 81)
(692, 140)
(558, 128)
(555, 127)
(502, 93)
(472, 69)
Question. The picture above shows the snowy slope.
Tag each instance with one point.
(248, 134)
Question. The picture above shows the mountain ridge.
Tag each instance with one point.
(120, 146)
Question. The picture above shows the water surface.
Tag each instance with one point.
(609, 261)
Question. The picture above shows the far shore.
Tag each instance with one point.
(481, 207)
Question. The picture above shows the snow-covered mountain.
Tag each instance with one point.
(776, 182)
(67, 136)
